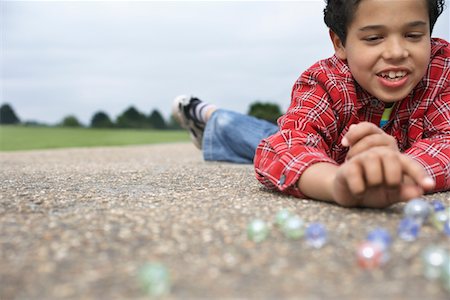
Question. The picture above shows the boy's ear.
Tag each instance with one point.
(339, 48)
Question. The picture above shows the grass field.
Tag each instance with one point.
(14, 138)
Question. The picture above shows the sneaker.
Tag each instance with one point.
(181, 111)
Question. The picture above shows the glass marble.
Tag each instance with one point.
(408, 229)
(433, 259)
(155, 279)
(294, 227)
(447, 228)
(445, 274)
(316, 235)
(369, 255)
(381, 236)
(437, 205)
(257, 230)
(281, 216)
(417, 209)
(439, 218)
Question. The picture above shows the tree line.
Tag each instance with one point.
(130, 118)
(133, 118)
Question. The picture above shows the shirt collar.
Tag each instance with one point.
(437, 45)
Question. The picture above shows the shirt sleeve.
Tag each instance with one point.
(432, 151)
(306, 136)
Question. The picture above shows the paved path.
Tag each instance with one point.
(78, 224)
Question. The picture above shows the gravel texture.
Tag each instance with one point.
(79, 223)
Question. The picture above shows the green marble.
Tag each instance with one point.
(294, 227)
(257, 230)
(433, 258)
(155, 279)
(281, 216)
(439, 218)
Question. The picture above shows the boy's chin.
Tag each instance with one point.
(392, 98)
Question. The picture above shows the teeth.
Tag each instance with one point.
(393, 74)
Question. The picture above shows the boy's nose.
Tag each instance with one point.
(395, 49)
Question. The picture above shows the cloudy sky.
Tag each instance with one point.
(79, 57)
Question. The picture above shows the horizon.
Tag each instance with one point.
(78, 58)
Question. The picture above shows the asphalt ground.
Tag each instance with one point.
(80, 223)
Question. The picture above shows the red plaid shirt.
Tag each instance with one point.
(326, 100)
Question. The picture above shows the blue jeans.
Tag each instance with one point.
(233, 137)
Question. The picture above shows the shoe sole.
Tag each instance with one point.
(177, 111)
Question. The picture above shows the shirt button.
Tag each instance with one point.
(282, 180)
(374, 102)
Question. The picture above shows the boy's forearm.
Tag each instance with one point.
(316, 181)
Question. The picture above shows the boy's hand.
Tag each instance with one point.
(379, 177)
(375, 174)
(363, 136)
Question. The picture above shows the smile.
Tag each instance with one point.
(393, 75)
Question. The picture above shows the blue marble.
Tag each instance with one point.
(437, 205)
(380, 236)
(316, 235)
(447, 228)
(408, 229)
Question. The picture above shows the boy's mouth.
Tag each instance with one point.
(392, 75)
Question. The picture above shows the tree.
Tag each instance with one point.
(101, 120)
(7, 115)
(132, 118)
(70, 121)
(266, 111)
(156, 120)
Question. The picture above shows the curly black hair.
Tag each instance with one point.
(338, 14)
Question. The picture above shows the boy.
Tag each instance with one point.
(368, 127)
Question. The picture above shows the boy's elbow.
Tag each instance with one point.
(264, 157)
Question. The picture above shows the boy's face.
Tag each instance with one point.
(387, 47)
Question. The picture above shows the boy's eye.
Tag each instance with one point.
(414, 36)
(372, 38)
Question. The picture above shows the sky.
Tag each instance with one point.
(61, 58)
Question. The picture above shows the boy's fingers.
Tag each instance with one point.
(410, 191)
(355, 179)
(417, 173)
(371, 141)
(359, 131)
(393, 173)
(373, 170)
(393, 195)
